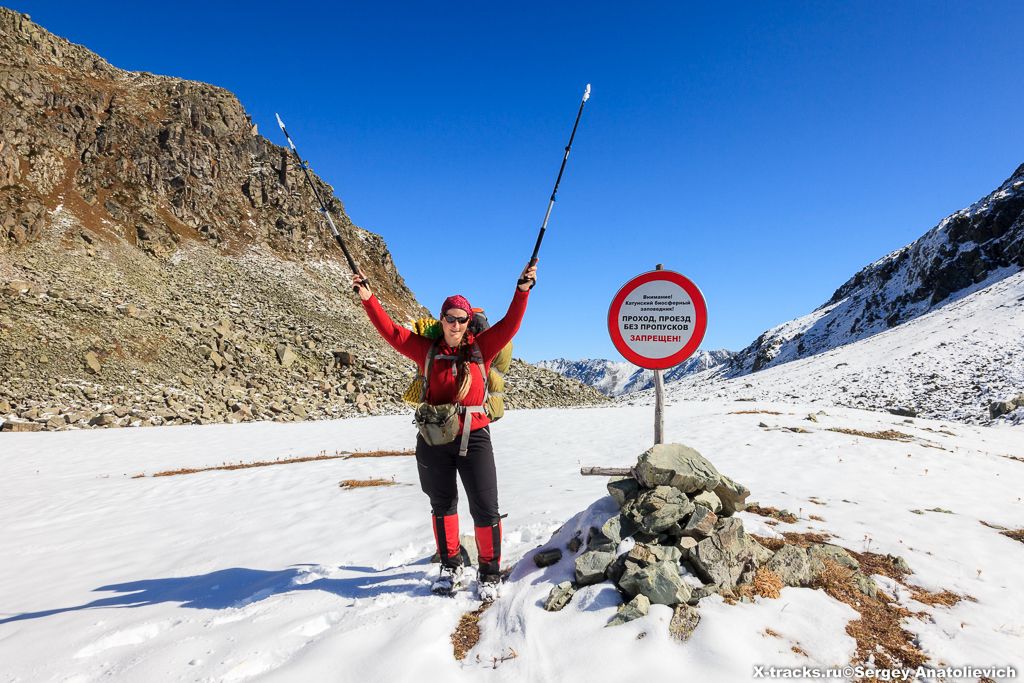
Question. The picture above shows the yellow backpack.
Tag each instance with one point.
(495, 400)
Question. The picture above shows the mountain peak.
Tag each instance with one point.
(965, 252)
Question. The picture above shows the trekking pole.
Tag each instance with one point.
(551, 202)
(323, 205)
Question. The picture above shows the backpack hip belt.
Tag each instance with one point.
(465, 411)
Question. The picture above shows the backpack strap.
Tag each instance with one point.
(426, 368)
(467, 415)
(433, 355)
(478, 359)
(467, 421)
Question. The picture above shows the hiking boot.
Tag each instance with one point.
(448, 581)
(488, 587)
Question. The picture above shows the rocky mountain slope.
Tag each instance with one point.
(161, 262)
(964, 253)
(615, 378)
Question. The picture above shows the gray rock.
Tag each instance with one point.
(903, 412)
(591, 565)
(658, 509)
(667, 553)
(642, 555)
(761, 554)
(615, 570)
(900, 563)
(546, 558)
(343, 358)
(622, 489)
(559, 596)
(819, 552)
(105, 420)
(733, 496)
(678, 466)
(865, 584)
(722, 557)
(645, 554)
(686, 544)
(709, 500)
(609, 536)
(791, 564)
(1000, 408)
(285, 355)
(685, 619)
(11, 426)
(702, 592)
(660, 582)
(700, 524)
(92, 363)
(638, 607)
(574, 543)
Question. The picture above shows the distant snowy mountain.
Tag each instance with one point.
(964, 253)
(615, 378)
(608, 377)
(699, 362)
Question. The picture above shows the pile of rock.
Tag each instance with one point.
(997, 409)
(676, 541)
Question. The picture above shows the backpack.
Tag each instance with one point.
(431, 329)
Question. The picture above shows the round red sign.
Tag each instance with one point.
(658, 319)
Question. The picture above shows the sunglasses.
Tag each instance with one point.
(455, 321)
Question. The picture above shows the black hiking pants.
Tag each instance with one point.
(437, 466)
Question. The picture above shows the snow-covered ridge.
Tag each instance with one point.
(964, 253)
(608, 377)
(615, 378)
(949, 363)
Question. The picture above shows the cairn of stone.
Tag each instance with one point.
(676, 541)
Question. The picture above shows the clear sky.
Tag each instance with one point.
(767, 150)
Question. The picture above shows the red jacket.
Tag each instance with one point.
(441, 387)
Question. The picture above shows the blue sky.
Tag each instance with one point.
(765, 150)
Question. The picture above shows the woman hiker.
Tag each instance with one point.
(455, 378)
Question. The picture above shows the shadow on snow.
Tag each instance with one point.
(238, 587)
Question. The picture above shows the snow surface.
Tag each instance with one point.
(275, 573)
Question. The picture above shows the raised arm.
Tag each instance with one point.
(493, 339)
(404, 341)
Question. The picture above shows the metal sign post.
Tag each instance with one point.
(659, 399)
(656, 321)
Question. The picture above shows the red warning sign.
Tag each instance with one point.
(658, 319)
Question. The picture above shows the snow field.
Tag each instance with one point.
(275, 573)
